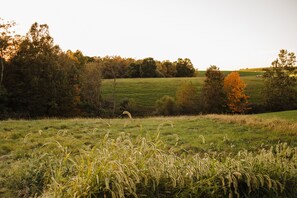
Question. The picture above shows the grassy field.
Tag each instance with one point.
(146, 91)
(42, 157)
(287, 115)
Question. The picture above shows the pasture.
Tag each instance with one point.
(145, 91)
(211, 155)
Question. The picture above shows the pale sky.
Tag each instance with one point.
(231, 34)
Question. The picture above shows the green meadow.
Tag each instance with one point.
(244, 155)
(145, 91)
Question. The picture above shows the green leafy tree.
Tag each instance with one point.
(41, 76)
(134, 70)
(148, 68)
(184, 68)
(280, 81)
(213, 96)
(187, 98)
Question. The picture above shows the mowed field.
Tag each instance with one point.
(145, 91)
(239, 154)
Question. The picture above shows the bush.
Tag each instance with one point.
(187, 98)
(165, 106)
(128, 104)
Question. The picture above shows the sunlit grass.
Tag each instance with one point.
(65, 157)
(144, 166)
(273, 121)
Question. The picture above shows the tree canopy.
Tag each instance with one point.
(184, 68)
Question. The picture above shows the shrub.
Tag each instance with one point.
(165, 106)
(187, 98)
(128, 104)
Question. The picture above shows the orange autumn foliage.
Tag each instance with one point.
(236, 98)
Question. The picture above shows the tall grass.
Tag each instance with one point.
(145, 167)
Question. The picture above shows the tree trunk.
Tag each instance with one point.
(114, 93)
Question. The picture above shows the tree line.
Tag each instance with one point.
(226, 94)
(116, 66)
(38, 79)
(219, 94)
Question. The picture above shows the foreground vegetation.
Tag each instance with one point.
(202, 156)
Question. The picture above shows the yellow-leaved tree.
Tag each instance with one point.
(236, 98)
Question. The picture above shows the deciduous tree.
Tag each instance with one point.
(213, 96)
(167, 68)
(41, 81)
(280, 79)
(234, 89)
(184, 68)
(134, 70)
(187, 98)
(7, 44)
(91, 89)
(148, 68)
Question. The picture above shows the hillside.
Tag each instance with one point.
(259, 69)
(145, 91)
